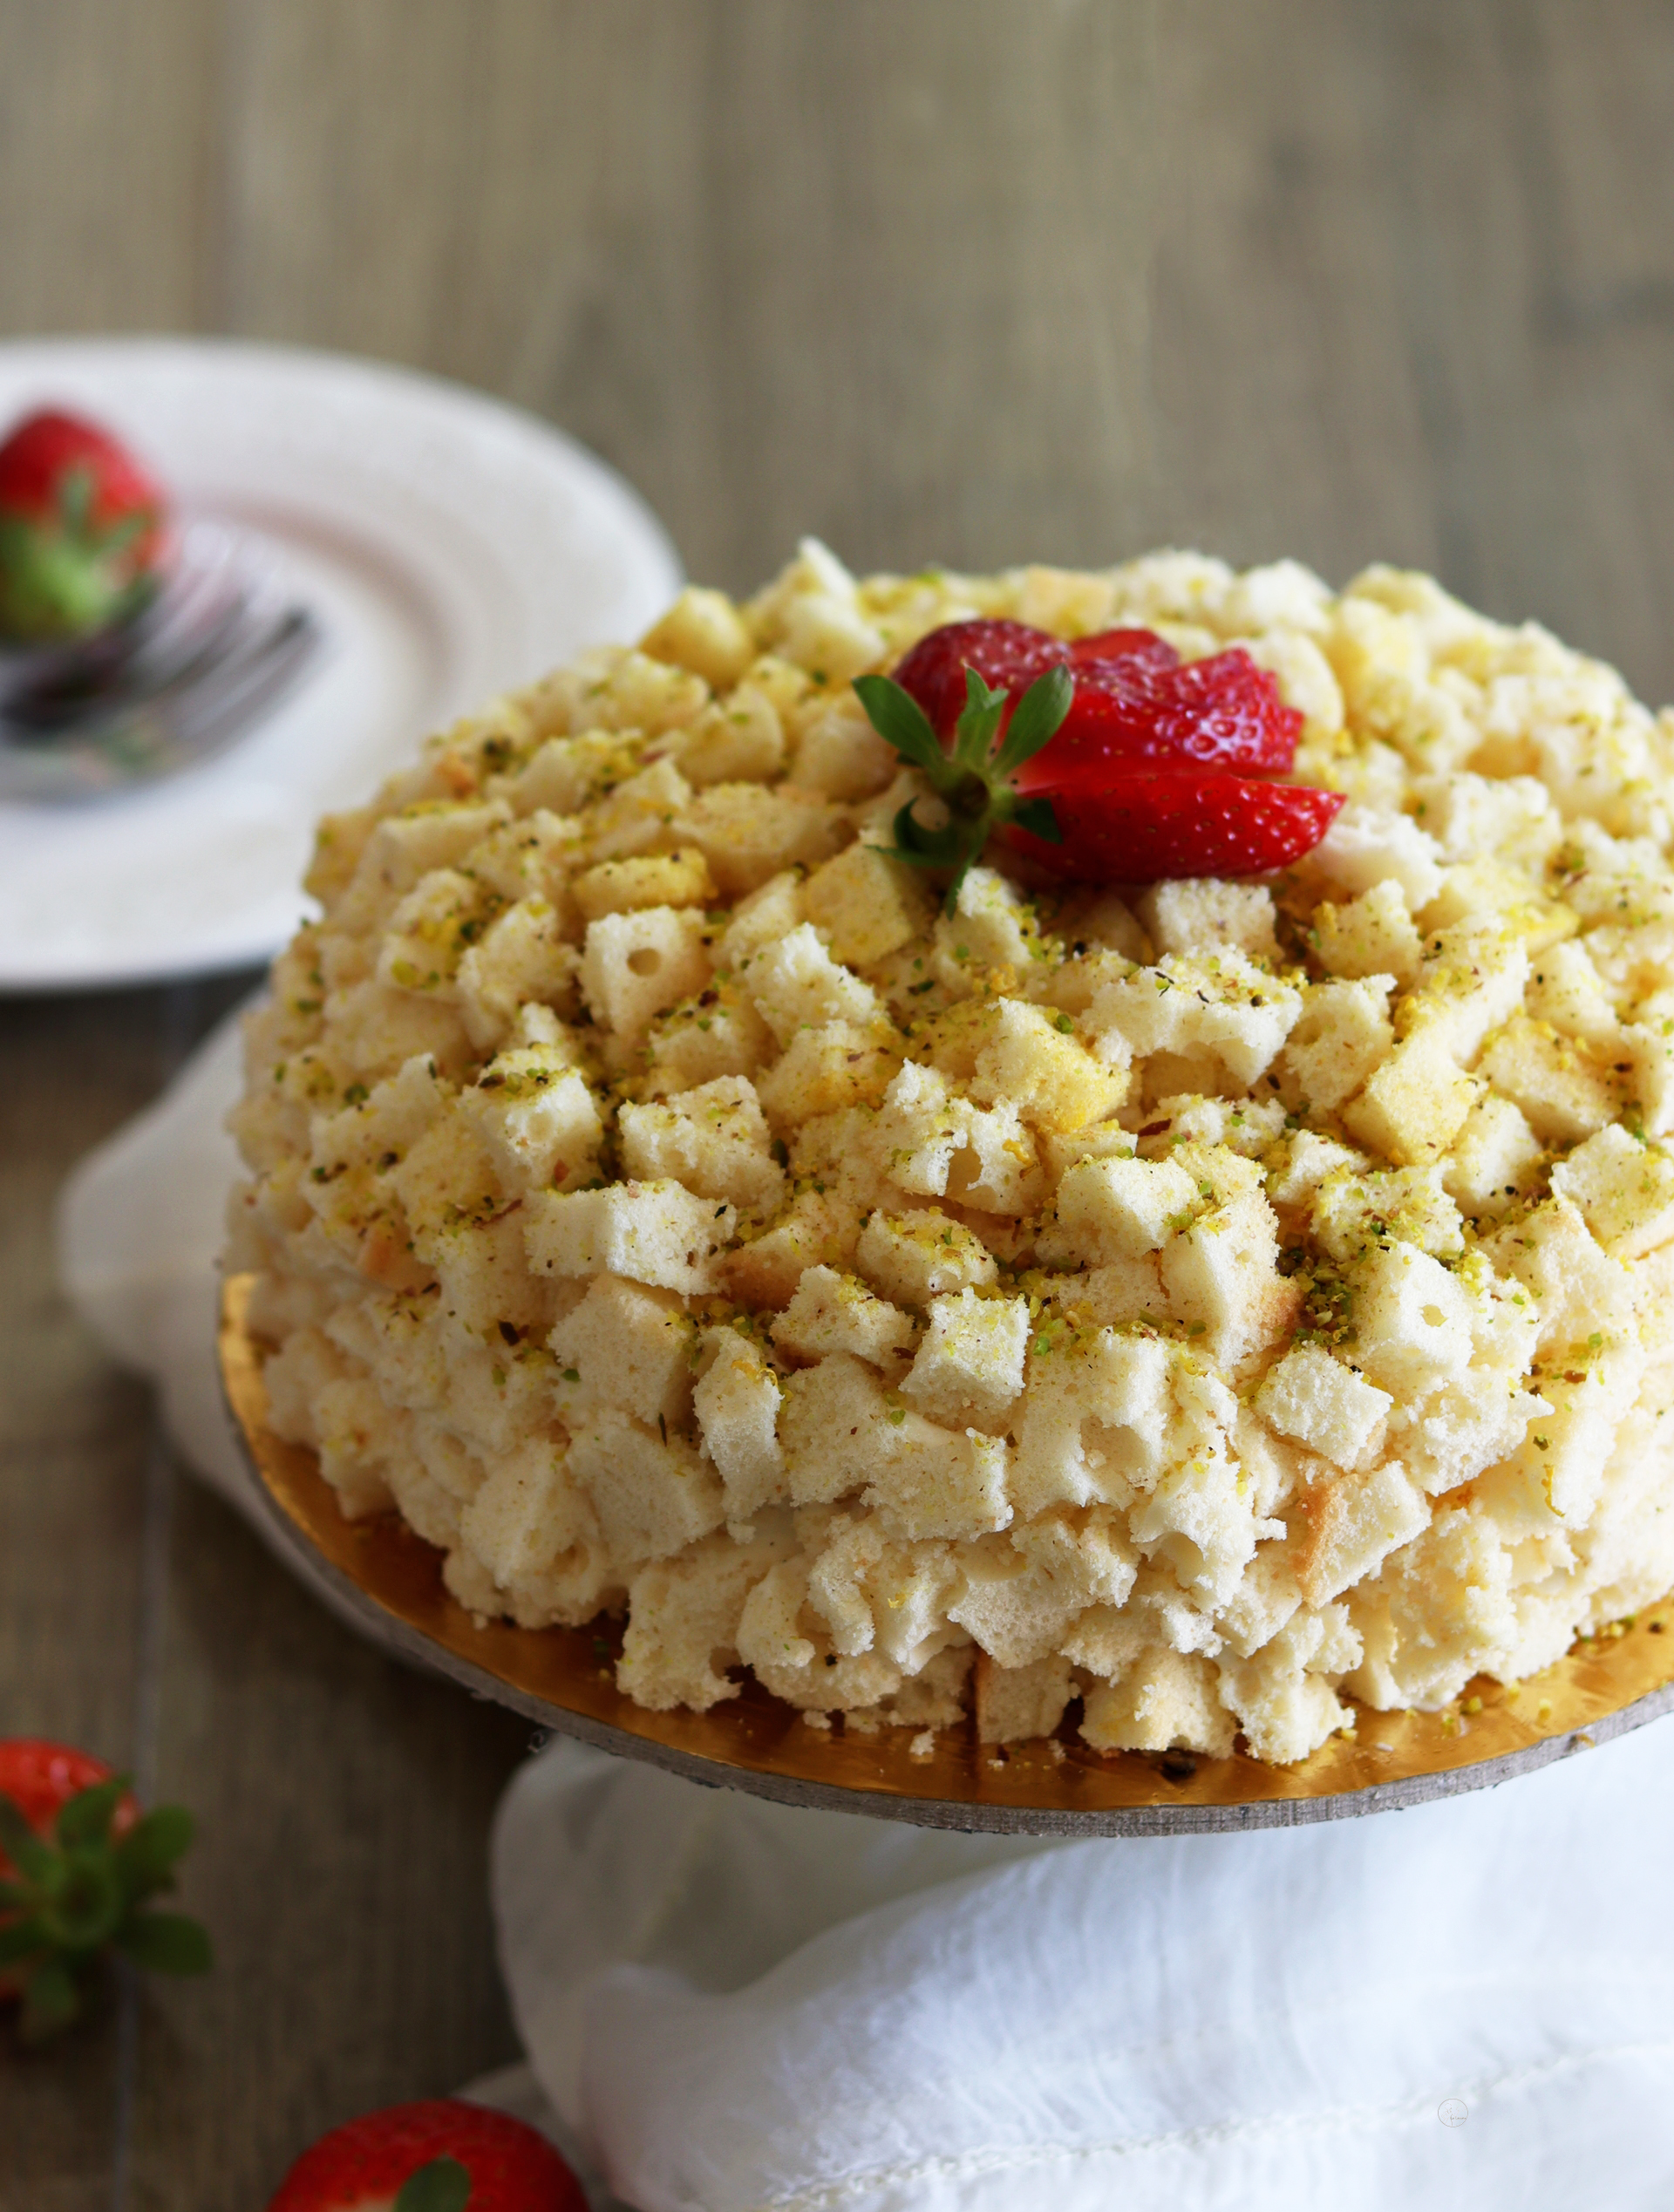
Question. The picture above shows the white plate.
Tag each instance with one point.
(451, 547)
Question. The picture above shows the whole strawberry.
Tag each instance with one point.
(438, 2155)
(81, 531)
(78, 1861)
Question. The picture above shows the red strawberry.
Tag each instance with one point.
(1152, 822)
(1140, 647)
(438, 2155)
(1133, 698)
(1008, 655)
(81, 530)
(77, 1860)
(40, 1778)
(1110, 765)
(1224, 712)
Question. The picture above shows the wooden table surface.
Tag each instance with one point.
(968, 280)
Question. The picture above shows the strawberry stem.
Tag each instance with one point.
(78, 1893)
(67, 575)
(973, 780)
(442, 2186)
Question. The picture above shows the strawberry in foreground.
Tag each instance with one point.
(78, 1860)
(81, 531)
(438, 2155)
(1112, 767)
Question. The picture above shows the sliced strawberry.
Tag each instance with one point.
(1107, 760)
(1223, 712)
(1140, 825)
(81, 529)
(1134, 699)
(79, 1864)
(1010, 656)
(1140, 648)
(440, 2154)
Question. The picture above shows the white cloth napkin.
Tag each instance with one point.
(735, 2007)
(748, 2009)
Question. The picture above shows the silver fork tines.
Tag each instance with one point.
(213, 652)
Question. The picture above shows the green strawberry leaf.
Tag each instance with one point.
(87, 1817)
(923, 848)
(21, 1939)
(950, 897)
(443, 2186)
(145, 1856)
(166, 1942)
(1036, 816)
(954, 846)
(76, 498)
(128, 531)
(84, 1905)
(974, 779)
(1039, 716)
(978, 723)
(897, 717)
(50, 2002)
(33, 1858)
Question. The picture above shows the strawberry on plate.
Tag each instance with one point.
(438, 2155)
(78, 1860)
(1117, 762)
(82, 528)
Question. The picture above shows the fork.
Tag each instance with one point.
(213, 652)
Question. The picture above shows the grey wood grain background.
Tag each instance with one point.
(975, 280)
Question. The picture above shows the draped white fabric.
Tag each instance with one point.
(748, 2008)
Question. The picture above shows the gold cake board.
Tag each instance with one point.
(563, 1678)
